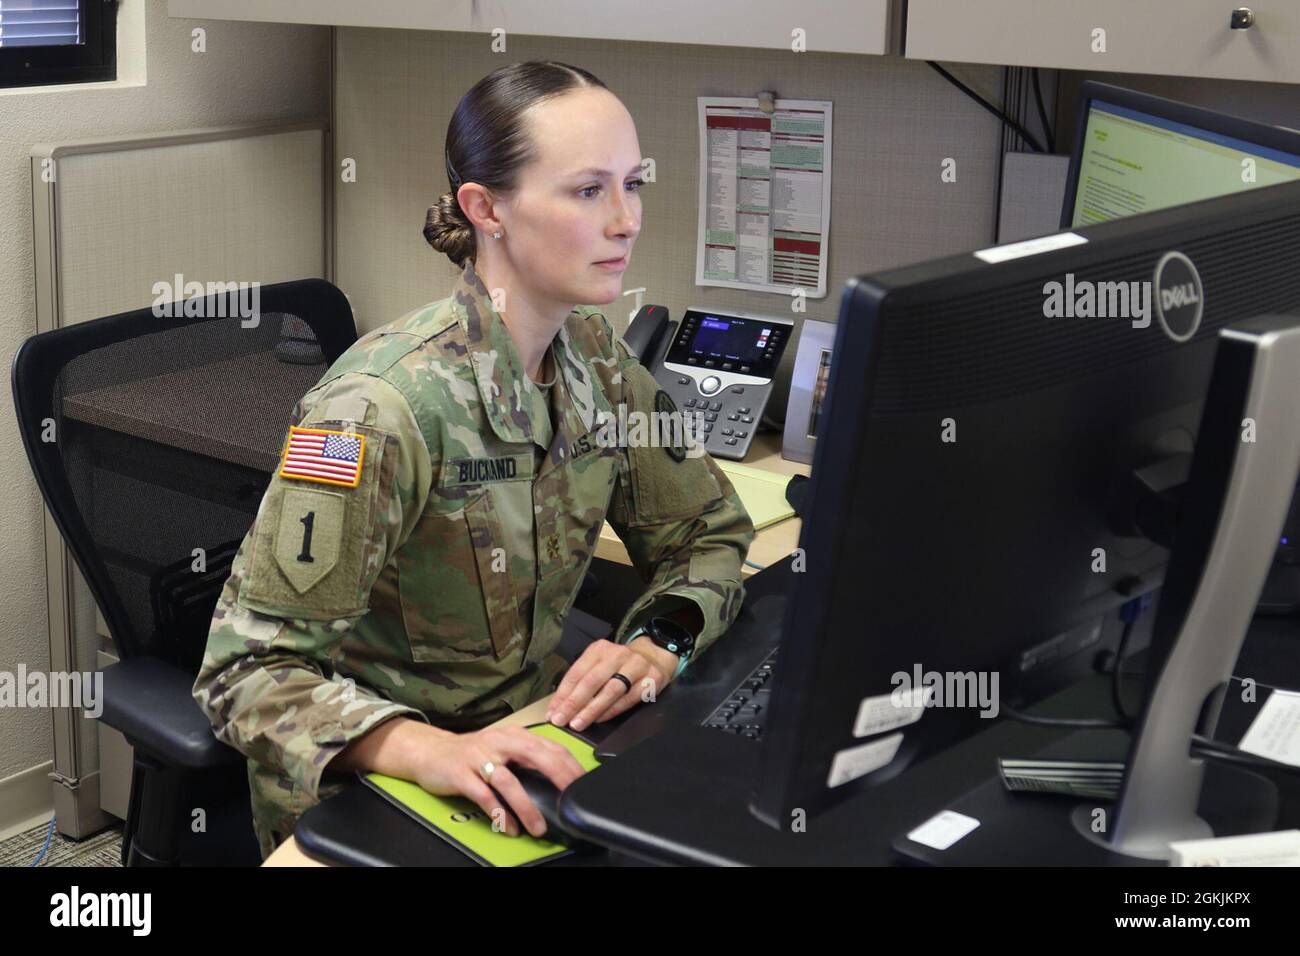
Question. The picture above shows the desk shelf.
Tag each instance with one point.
(230, 425)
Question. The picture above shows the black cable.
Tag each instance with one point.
(1095, 723)
(1021, 91)
(1024, 133)
(1002, 130)
(1002, 163)
(1009, 143)
(1130, 612)
(1117, 674)
(1042, 112)
(1199, 746)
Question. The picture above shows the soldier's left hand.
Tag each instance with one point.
(589, 692)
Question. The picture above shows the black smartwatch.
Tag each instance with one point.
(669, 635)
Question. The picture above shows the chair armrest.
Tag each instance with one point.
(149, 702)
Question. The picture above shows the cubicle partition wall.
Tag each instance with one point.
(121, 224)
(896, 122)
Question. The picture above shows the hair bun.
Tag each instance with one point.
(448, 230)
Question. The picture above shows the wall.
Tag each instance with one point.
(895, 120)
(250, 73)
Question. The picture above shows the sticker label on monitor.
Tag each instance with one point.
(853, 762)
(943, 829)
(1029, 247)
(889, 711)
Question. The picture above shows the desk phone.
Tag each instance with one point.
(719, 364)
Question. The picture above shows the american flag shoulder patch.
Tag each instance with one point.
(328, 457)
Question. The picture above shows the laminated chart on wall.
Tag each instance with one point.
(765, 195)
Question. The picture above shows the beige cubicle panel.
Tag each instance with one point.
(112, 217)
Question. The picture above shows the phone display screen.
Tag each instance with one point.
(748, 346)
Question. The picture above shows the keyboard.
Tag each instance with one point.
(743, 712)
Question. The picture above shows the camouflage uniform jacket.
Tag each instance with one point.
(432, 577)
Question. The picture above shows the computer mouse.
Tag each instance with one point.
(546, 797)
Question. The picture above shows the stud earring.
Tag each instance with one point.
(496, 235)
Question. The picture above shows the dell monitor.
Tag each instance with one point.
(974, 509)
(1137, 153)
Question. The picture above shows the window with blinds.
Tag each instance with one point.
(57, 41)
(39, 22)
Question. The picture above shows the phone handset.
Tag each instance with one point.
(646, 332)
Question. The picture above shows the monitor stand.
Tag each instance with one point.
(1243, 475)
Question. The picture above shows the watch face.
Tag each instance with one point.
(664, 632)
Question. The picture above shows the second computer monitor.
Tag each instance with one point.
(1137, 153)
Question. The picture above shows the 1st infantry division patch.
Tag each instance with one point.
(327, 457)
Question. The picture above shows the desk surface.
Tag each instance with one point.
(904, 803)
(703, 781)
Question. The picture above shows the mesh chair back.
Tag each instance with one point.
(153, 440)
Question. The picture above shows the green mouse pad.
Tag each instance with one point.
(460, 822)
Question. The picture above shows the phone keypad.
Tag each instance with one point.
(736, 421)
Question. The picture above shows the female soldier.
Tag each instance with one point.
(443, 486)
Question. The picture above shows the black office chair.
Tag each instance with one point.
(151, 437)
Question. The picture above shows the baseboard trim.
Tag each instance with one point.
(26, 800)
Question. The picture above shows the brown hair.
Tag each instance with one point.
(488, 144)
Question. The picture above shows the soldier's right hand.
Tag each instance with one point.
(454, 764)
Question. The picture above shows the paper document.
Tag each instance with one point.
(1275, 733)
(765, 195)
(761, 492)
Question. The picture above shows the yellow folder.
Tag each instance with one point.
(761, 492)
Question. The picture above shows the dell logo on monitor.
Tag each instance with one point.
(1178, 298)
